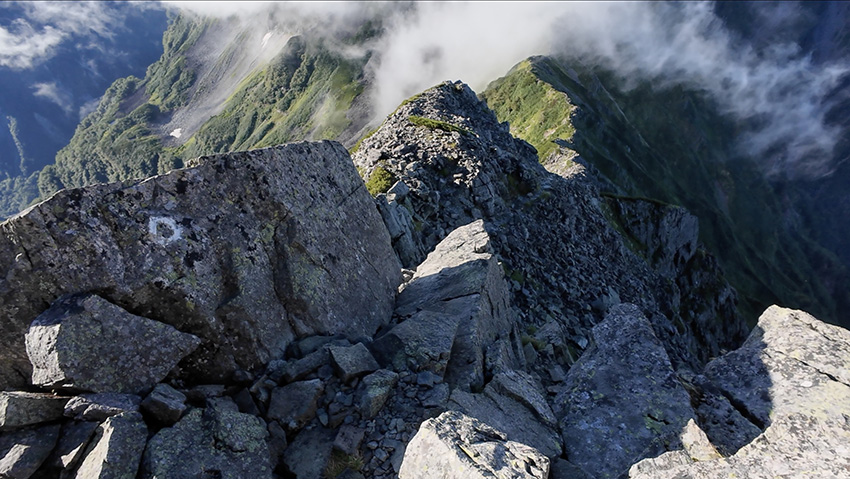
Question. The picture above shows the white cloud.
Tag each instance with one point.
(52, 92)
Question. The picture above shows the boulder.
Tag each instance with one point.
(792, 378)
(454, 445)
(218, 441)
(352, 361)
(621, 402)
(456, 305)
(84, 342)
(309, 454)
(116, 449)
(374, 391)
(21, 408)
(23, 451)
(294, 405)
(165, 404)
(244, 250)
(74, 438)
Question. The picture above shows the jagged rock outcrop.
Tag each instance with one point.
(792, 379)
(247, 251)
(455, 446)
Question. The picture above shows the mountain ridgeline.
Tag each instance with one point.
(205, 95)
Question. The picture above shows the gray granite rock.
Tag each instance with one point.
(165, 404)
(244, 250)
(374, 390)
(218, 441)
(99, 406)
(621, 402)
(74, 438)
(352, 361)
(116, 449)
(21, 408)
(457, 446)
(791, 377)
(84, 342)
(294, 405)
(23, 451)
(309, 453)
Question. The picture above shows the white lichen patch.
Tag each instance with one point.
(163, 230)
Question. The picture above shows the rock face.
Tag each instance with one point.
(116, 449)
(455, 446)
(19, 408)
(244, 250)
(792, 378)
(621, 401)
(84, 342)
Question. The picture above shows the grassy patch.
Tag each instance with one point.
(380, 181)
(436, 124)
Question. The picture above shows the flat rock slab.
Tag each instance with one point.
(456, 446)
(21, 408)
(165, 404)
(352, 361)
(621, 401)
(294, 405)
(790, 377)
(98, 407)
(374, 390)
(218, 441)
(23, 451)
(84, 342)
(116, 449)
(245, 250)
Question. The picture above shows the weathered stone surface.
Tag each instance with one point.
(374, 391)
(457, 302)
(74, 438)
(23, 451)
(309, 453)
(244, 250)
(352, 361)
(86, 343)
(621, 402)
(791, 377)
(165, 404)
(218, 441)
(294, 405)
(20, 408)
(458, 446)
(116, 449)
(348, 439)
(98, 407)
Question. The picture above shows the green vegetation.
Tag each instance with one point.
(380, 181)
(537, 112)
(436, 124)
(340, 461)
(674, 146)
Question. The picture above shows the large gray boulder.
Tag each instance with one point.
(84, 342)
(218, 441)
(792, 378)
(116, 449)
(453, 308)
(244, 250)
(621, 402)
(22, 408)
(456, 446)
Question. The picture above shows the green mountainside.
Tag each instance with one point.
(305, 92)
(671, 145)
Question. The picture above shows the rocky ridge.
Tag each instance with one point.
(482, 317)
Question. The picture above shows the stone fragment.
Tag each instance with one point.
(352, 361)
(116, 448)
(74, 438)
(20, 408)
(99, 406)
(84, 342)
(23, 451)
(374, 391)
(244, 250)
(309, 453)
(454, 445)
(621, 401)
(218, 441)
(165, 404)
(294, 405)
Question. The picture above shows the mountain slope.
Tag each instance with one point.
(670, 145)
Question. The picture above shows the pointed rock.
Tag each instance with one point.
(116, 450)
(84, 342)
(23, 451)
